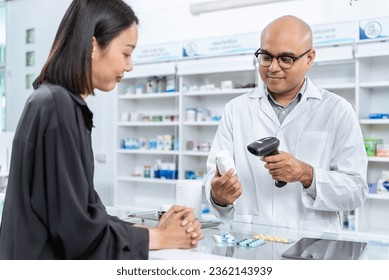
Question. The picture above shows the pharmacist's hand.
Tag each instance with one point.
(225, 189)
(285, 167)
(173, 232)
(188, 220)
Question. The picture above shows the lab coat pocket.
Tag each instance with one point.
(313, 147)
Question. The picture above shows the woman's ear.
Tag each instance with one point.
(94, 47)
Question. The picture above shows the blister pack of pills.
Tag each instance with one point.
(273, 238)
(250, 242)
(224, 239)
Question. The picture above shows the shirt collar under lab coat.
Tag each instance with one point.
(311, 91)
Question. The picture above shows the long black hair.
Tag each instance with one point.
(69, 62)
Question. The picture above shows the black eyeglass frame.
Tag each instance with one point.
(294, 58)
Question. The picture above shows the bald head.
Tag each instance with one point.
(289, 39)
(288, 30)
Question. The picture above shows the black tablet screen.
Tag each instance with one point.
(324, 249)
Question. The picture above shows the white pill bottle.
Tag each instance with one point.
(224, 162)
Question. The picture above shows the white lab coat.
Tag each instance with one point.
(323, 131)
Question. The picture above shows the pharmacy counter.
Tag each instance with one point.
(208, 248)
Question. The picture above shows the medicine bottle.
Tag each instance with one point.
(191, 114)
(224, 162)
(147, 171)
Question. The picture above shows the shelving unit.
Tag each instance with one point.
(200, 83)
(359, 73)
(146, 116)
(334, 70)
(206, 86)
(371, 59)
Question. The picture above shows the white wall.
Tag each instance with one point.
(170, 20)
(160, 21)
(44, 16)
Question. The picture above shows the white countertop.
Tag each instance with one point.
(208, 249)
(177, 254)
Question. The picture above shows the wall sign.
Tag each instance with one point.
(377, 28)
(234, 44)
(157, 53)
(334, 34)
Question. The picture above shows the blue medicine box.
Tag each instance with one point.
(372, 188)
(378, 116)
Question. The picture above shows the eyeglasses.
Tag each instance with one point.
(284, 61)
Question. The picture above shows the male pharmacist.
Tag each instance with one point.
(322, 156)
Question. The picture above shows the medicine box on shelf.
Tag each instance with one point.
(378, 116)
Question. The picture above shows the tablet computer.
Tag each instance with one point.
(324, 249)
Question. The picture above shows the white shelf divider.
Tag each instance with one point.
(147, 152)
(377, 84)
(218, 92)
(379, 196)
(136, 124)
(374, 121)
(195, 153)
(378, 159)
(149, 95)
(147, 180)
(205, 123)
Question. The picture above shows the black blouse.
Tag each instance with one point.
(51, 210)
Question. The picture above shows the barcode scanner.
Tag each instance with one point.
(267, 146)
